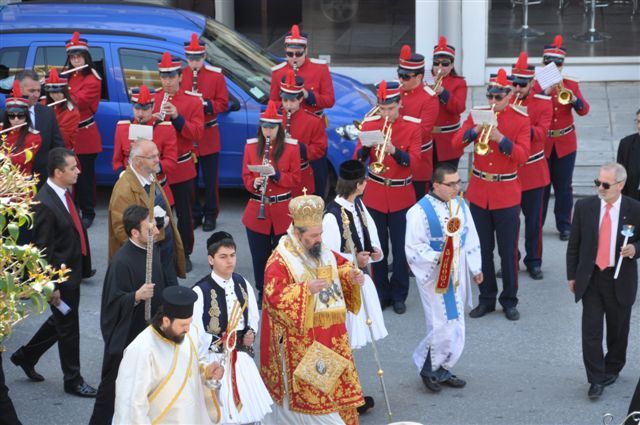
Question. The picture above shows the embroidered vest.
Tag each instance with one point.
(336, 209)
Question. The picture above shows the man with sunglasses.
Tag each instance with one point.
(418, 100)
(560, 149)
(534, 175)
(452, 94)
(304, 126)
(593, 252)
(494, 192)
(207, 82)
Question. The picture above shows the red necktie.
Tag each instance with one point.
(76, 221)
(604, 240)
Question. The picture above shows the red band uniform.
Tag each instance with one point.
(85, 87)
(453, 98)
(494, 193)
(22, 142)
(211, 86)
(263, 234)
(389, 193)
(67, 114)
(561, 145)
(420, 101)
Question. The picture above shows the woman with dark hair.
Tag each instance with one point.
(67, 114)
(17, 136)
(85, 87)
(266, 217)
(453, 98)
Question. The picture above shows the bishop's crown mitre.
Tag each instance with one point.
(306, 210)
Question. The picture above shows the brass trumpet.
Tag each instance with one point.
(482, 146)
(438, 80)
(371, 112)
(519, 100)
(378, 166)
(564, 94)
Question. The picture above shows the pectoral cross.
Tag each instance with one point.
(304, 191)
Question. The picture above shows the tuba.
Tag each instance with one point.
(378, 166)
(482, 147)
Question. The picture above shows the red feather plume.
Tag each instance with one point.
(442, 42)
(295, 31)
(501, 78)
(291, 78)
(522, 61)
(195, 43)
(557, 42)
(53, 76)
(382, 90)
(166, 60)
(75, 38)
(16, 89)
(143, 95)
(271, 110)
(405, 52)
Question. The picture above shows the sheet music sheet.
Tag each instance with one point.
(548, 76)
(429, 80)
(264, 170)
(138, 131)
(371, 138)
(481, 117)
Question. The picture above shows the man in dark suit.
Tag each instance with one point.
(629, 157)
(59, 231)
(595, 245)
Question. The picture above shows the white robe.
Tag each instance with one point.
(254, 395)
(356, 324)
(154, 371)
(444, 337)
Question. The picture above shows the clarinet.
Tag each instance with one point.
(165, 98)
(295, 68)
(194, 86)
(263, 188)
(287, 129)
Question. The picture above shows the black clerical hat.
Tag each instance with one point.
(177, 302)
(352, 170)
(217, 237)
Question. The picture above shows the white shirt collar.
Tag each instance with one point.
(143, 180)
(344, 203)
(60, 191)
(137, 244)
(615, 205)
(220, 280)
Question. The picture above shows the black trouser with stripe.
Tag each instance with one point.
(85, 194)
(261, 247)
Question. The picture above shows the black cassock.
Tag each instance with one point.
(121, 320)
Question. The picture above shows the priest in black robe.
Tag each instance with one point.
(123, 297)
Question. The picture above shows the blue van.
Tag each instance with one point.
(127, 40)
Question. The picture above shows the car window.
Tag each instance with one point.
(11, 62)
(140, 67)
(55, 57)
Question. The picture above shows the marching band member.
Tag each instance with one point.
(561, 145)
(390, 193)
(24, 141)
(184, 110)
(418, 100)
(452, 93)
(208, 82)
(317, 93)
(164, 136)
(67, 113)
(244, 398)
(494, 191)
(534, 175)
(85, 87)
(266, 216)
(443, 251)
(304, 126)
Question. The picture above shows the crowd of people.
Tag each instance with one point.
(322, 276)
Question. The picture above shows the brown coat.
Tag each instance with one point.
(128, 191)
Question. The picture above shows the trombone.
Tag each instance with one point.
(482, 147)
(378, 166)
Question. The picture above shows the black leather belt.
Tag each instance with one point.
(535, 157)
(304, 165)
(390, 182)
(211, 123)
(561, 132)
(490, 177)
(272, 199)
(445, 129)
(425, 147)
(185, 157)
(86, 123)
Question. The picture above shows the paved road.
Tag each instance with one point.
(526, 372)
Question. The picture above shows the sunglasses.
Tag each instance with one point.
(520, 84)
(556, 61)
(443, 63)
(16, 116)
(497, 97)
(268, 125)
(406, 77)
(297, 54)
(604, 185)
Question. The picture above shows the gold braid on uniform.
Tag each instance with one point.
(214, 314)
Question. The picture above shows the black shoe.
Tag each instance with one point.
(499, 274)
(87, 222)
(535, 273)
(82, 390)
(385, 303)
(609, 380)
(368, 404)
(564, 235)
(595, 391)
(455, 382)
(512, 313)
(431, 383)
(481, 310)
(209, 224)
(187, 264)
(18, 359)
(399, 307)
(197, 221)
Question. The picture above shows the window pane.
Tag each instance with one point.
(140, 67)
(12, 61)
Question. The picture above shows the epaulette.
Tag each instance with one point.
(411, 119)
(95, 74)
(291, 141)
(318, 61)
(542, 96)
(279, 66)
(190, 93)
(252, 141)
(125, 122)
(372, 118)
(522, 110)
(213, 68)
(574, 79)
(33, 131)
(164, 123)
(482, 108)
(313, 114)
(429, 90)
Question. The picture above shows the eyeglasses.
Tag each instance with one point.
(297, 54)
(520, 84)
(16, 116)
(406, 77)
(547, 61)
(604, 185)
(453, 184)
(443, 63)
(497, 97)
(268, 125)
